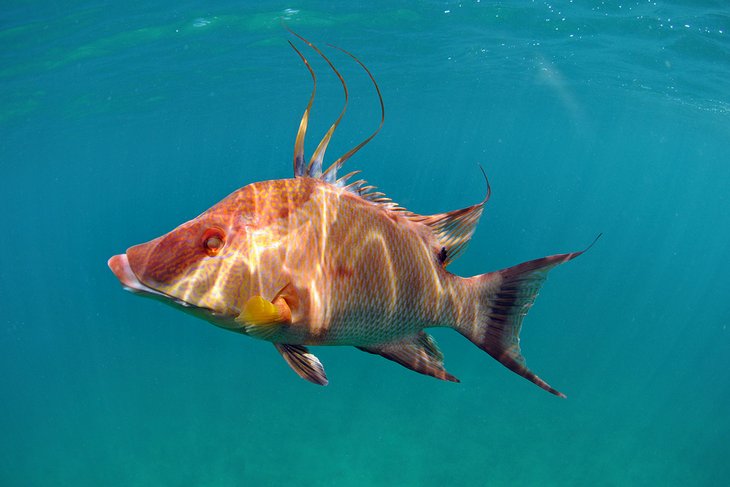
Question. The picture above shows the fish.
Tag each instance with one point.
(324, 259)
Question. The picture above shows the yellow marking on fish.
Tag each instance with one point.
(260, 312)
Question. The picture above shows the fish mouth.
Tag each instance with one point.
(119, 264)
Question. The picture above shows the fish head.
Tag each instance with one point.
(202, 266)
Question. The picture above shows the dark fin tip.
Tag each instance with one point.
(592, 243)
(489, 186)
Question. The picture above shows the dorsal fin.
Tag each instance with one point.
(314, 168)
(453, 229)
(330, 174)
(299, 166)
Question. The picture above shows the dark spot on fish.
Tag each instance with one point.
(442, 255)
(343, 271)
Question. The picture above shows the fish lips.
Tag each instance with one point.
(119, 264)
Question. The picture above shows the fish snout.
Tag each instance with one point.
(119, 264)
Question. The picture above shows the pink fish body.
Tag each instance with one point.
(317, 260)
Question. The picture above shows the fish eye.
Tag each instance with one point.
(213, 241)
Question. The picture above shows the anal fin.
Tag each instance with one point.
(418, 353)
(305, 364)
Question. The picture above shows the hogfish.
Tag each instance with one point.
(323, 259)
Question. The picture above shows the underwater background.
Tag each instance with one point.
(121, 120)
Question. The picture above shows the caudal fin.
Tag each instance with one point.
(505, 297)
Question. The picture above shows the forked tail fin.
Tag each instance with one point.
(505, 297)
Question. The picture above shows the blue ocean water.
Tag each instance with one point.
(121, 120)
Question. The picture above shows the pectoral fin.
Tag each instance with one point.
(418, 352)
(261, 318)
(305, 364)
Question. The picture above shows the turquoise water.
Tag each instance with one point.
(119, 121)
